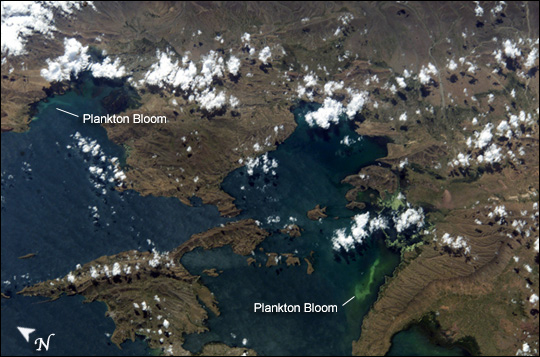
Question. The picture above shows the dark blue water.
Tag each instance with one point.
(80, 329)
(46, 193)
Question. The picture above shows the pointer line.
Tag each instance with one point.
(75, 115)
(346, 302)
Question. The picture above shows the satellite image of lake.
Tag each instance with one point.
(341, 178)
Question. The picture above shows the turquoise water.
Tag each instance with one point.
(46, 195)
(311, 164)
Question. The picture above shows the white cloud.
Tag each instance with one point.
(531, 58)
(499, 211)
(265, 54)
(461, 160)
(484, 137)
(267, 165)
(478, 10)
(211, 100)
(346, 18)
(327, 114)
(403, 163)
(212, 66)
(510, 49)
(233, 65)
(331, 87)
(491, 155)
(233, 101)
(116, 269)
(408, 218)
(425, 73)
(162, 71)
(74, 60)
(347, 140)
(360, 229)
(331, 109)
(358, 100)
(455, 243)
(189, 79)
(310, 80)
(108, 69)
(245, 37)
(20, 19)
(378, 223)
(503, 129)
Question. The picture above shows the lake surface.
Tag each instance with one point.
(310, 166)
(53, 206)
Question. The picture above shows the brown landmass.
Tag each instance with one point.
(292, 230)
(292, 260)
(221, 349)
(272, 259)
(27, 256)
(243, 237)
(470, 295)
(212, 272)
(373, 177)
(483, 294)
(310, 268)
(157, 161)
(317, 213)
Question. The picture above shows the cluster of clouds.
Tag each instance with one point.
(363, 225)
(265, 55)
(129, 265)
(332, 110)
(267, 165)
(345, 19)
(424, 76)
(524, 49)
(104, 170)
(360, 229)
(499, 213)
(488, 151)
(75, 60)
(410, 218)
(195, 82)
(21, 19)
(458, 243)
